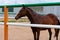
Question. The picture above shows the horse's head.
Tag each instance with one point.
(21, 13)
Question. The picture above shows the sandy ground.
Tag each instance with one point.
(24, 33)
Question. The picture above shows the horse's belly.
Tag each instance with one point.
(42, 28)
(38, 28)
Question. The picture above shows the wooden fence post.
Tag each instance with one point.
(5, 23)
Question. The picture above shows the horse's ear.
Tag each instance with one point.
(23, 6)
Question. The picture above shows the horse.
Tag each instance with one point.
(35, 18)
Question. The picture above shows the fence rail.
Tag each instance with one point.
(30, 5)
(33, 25)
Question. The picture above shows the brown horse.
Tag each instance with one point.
(39, 19)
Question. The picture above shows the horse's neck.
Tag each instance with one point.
(31, 16)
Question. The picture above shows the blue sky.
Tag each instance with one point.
(8, 2)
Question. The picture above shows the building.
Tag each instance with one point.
(41, 10)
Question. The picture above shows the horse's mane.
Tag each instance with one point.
(32, 11)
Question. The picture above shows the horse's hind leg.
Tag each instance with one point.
(50, 34)
(56, 33)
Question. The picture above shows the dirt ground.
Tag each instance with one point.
(24, 33)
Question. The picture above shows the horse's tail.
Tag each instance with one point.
(57, 30)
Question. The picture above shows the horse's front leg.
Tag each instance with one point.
(56, 33)
(50, 34)
(38, 34)
(34, 33)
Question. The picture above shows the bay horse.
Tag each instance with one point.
(35, 18)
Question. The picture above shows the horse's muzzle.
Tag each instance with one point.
(16, 18)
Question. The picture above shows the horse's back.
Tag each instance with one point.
(52, 16)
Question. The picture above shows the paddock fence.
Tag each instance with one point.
(6, 4)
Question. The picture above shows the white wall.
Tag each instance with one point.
(37, 9)
(57, 10)
(48, 9)
(0, 9)
(16, 10)
(52, 9)
(41, 10)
